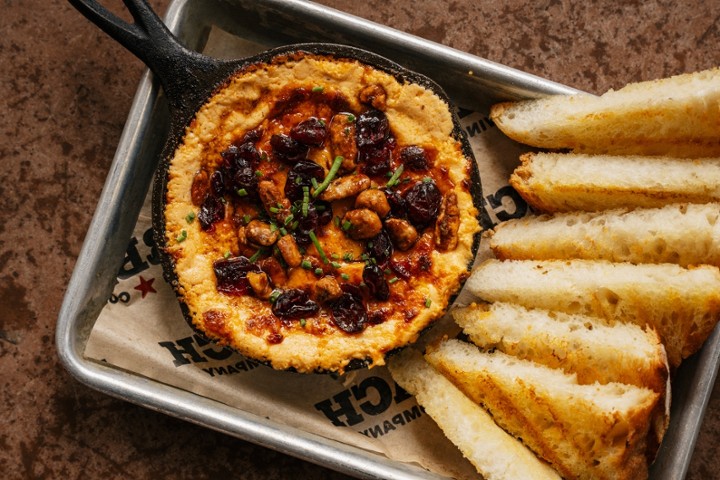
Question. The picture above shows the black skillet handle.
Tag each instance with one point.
(186, 76)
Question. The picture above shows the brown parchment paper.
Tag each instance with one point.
(142, 330)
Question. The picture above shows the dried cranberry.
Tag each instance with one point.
(287, 149)
(212, 210)
(217, 184)
(398, 206)
(319, 213)
(374, 278)
(382, 247)
(231, 275)
(372, 128)
(348, 312)
(239, 156)
(294, 304)
(301, 175)
(239, 165)
(310, 132)
(423, 204)
(414, 158)
(375, 159)
(252, 136)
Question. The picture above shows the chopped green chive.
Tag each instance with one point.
(388, 271)
(370, 244)
(298, 180)
(314, 182)
(242, 192)
(303, 322)
(190, 217)
(283, 232)
(427, 180)
(395, 176)
(428, 302)
(350, 117)
(306, 264)
(274, 209)
(294, 225)
(288, 219)
(246, 219)
(258, 173)
(274, 295)
(317, 89)
(330, 176)
(318, 271)
(256, 255)
(264, 156)
(181, 238)
(348, 257)
(319, 248)
(346, 225)
(273, 227)
(336, 221)
(393, 280)
(335, 256)
(227, 254)
(335, 264)
(345, 276)
(306, 201)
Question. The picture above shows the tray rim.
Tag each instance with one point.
(676, 451)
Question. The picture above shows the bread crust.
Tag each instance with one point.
(561, 421)
(671, 116)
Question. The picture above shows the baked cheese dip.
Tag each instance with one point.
(318, 213)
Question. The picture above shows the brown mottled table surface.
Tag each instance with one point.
(65, 91)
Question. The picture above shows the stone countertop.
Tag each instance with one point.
(66, 89)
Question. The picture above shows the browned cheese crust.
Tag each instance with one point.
(248, 204)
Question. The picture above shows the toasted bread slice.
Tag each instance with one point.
(679, 115)
(587, 346)
(685, 234)
(557, 182)
(585, 431)
(590, 347)
(496, 454)
(682, 304)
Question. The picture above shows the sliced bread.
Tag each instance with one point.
(682, 304)
(585, 431)
(685, 234)
(559, 182)
(496, 454)
(679, 115)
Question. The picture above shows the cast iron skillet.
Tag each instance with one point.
(189, 79)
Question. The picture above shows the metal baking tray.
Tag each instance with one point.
(470, 81)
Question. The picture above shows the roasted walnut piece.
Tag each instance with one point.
(342, 140)
(363, 224)
(375, 200)
(327, 289)
(347, 186)
(402, 233)
(448, 223)
(260, 233)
